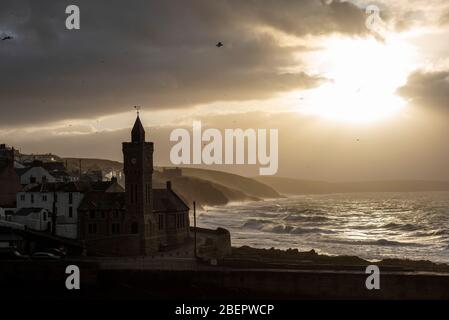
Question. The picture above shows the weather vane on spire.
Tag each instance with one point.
(137, 109)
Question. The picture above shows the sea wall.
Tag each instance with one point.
(46, 279)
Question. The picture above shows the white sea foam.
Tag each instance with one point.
(370, 225)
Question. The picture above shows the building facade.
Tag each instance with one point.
(138, 170)
(62, 200)
(34, 218)
(9, 180)
(140, 221)
(32, 175)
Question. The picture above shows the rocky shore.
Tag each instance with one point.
(292, 258)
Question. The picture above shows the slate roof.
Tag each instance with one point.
(164, 200)
(21, 171)
(76, 186)
(167, 200)
(103, 201)
(27, 211)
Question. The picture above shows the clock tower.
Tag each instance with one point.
(138, 170)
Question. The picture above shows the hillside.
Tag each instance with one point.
(92, 164)
(206, 187)
(204, 192)
(246, 185)
(297, 186)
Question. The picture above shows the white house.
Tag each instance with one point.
(62, 199)
(33, 175)
(34, 218)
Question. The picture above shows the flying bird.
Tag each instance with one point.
(7, 38)
(219, 45)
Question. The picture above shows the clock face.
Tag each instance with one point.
(133, 160)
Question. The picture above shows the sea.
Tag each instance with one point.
(372, 226)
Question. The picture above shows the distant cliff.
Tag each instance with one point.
(209, 187)
(206, 187)
(297, 186)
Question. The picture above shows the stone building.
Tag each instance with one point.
(61, 200)
(140, 221)
(9, 181)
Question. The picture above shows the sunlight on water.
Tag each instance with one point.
(370, 225)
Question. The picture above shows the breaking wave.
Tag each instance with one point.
(369, 225)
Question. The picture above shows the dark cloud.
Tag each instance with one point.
(160, 54)
(428, 89)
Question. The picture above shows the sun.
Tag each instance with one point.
(362, 78)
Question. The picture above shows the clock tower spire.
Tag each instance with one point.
(138, 170)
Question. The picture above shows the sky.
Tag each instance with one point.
(350, 102)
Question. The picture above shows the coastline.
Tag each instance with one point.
(293, 258)
(340, 224)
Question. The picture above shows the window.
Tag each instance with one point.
(45, 216)
(32, 198)
(44, 197)
(56, 197)
(134, 228)
(22, 197)
(161, 222)
(70, 212)
(32, 179)
(115, 214)
(92, 228)
(92, 214)
(103, 214)
(70, 198)
(115, 228)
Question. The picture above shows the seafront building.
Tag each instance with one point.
(103, 217)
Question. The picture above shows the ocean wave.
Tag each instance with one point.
(280, 228)
(298, 230)
(269, 226)
(301, 218)
(255, 223)
(402, 227)
(441, 232)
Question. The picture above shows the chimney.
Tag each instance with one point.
(168, 185)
